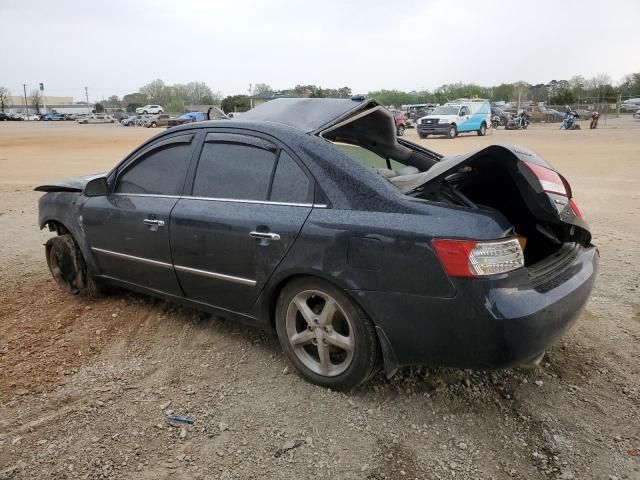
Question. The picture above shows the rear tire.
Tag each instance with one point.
(423, 135)
(333, 343)
(68, 267)
(453, 132)
(154, 124)
(483, 130)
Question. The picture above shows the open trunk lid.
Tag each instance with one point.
(546, 193)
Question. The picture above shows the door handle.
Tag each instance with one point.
(264, 235)
(153, 221)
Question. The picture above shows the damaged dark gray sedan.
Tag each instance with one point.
(311, 218)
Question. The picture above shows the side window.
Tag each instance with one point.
(161, 172)
(290, 183)
(235, 171)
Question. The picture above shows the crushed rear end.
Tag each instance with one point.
(509, 309)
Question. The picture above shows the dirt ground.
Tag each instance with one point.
(85, 384)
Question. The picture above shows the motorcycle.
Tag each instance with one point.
(519, 122)
(569, 122)
(495, 121)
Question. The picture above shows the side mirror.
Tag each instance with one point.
(97, 187)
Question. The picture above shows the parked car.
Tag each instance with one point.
(150, 109)
(10, 117)
(400, 121)
(96, 118)
(636, 114)
(129, 121)
(158, 121)
(456, 117)
(52, 117)
(310, 217)
(190, 117)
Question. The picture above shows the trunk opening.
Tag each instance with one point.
(497, 185)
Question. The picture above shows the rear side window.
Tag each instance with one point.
(290, 183)
(234, 171)
(160, 172)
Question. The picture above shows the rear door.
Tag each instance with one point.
(128, 230)
(248, 201)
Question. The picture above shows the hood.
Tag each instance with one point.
(311, 115)
(75, 184)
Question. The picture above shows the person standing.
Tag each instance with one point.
(594, 120)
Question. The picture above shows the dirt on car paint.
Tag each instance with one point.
(85, 385)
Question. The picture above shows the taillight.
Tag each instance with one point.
(471, 258)
(551, 182)
(575, 208)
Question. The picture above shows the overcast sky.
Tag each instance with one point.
(117, 46)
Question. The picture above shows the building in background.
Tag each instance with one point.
(54, 104)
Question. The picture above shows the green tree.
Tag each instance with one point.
(236, 103)
(99, 108)
(139, 99)
(131, 107)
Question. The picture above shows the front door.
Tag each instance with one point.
(249, 201)
(128, 230)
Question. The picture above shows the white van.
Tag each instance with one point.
(462, 115)
(96, 118)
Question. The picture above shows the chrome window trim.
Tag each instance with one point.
(258, 202)
(217, 276)
(133, 258)
(213, 199)
(152, 195)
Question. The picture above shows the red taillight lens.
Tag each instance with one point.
(454, 256)
(575, 208)
(471, 258)
(551, 182)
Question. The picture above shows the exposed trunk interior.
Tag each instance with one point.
(493, 186)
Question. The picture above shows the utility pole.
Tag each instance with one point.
(26, 107)
(44, 97)
(619, 102)
(250, 99)
(86, 93)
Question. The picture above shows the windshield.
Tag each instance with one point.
(445, 110)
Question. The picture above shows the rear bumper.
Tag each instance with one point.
(489, 323)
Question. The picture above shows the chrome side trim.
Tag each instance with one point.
(147, 261)
(218, 276)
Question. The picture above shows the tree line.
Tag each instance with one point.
(174, 98)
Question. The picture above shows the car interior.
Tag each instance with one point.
(369, 137)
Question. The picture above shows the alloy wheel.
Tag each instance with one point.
(320, 333)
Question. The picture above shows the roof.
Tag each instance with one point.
(306, 114)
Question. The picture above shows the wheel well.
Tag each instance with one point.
(56, 226)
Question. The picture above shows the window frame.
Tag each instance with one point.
(253, 139)
(180, 138)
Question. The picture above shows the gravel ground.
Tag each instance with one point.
(85, 385)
